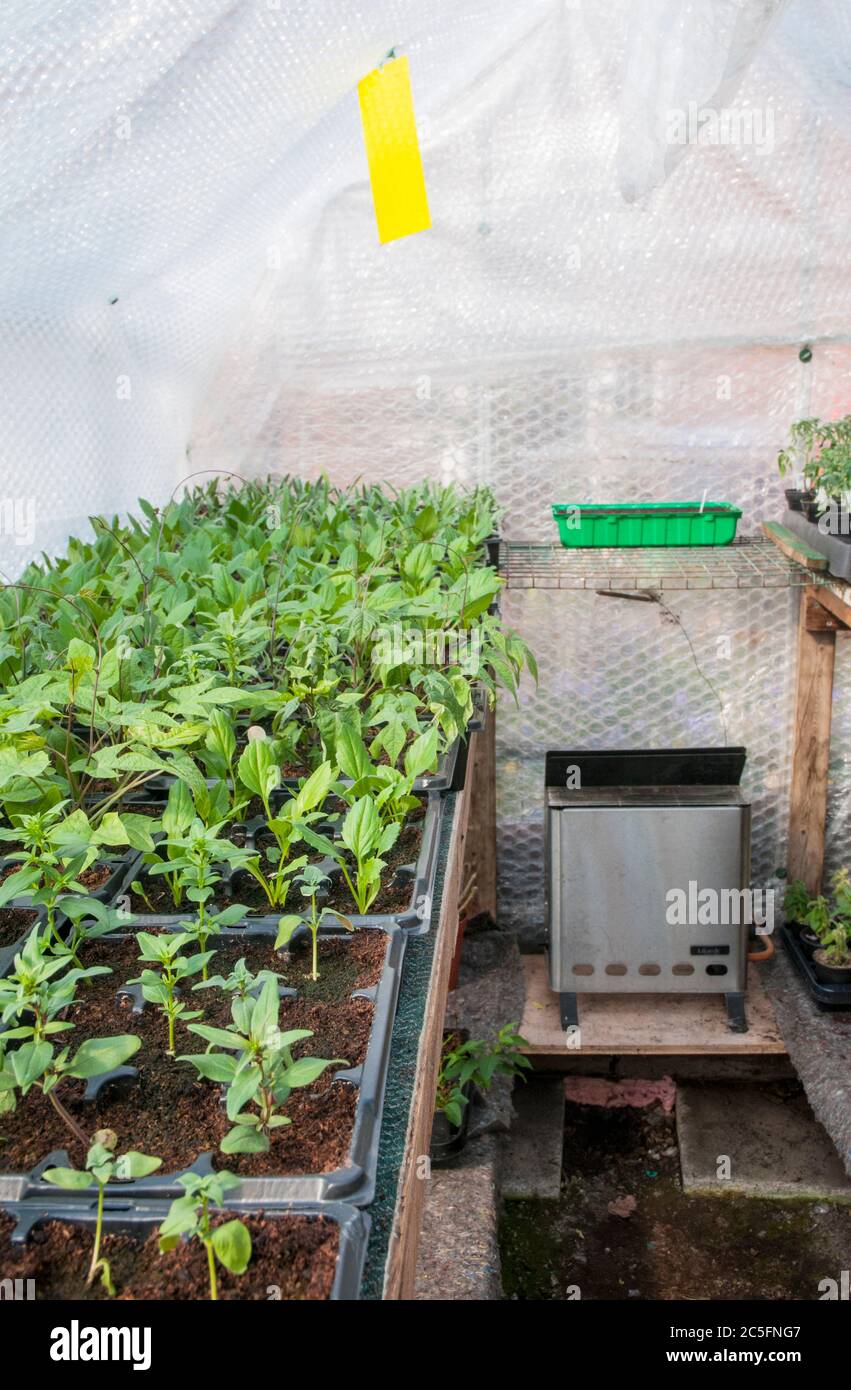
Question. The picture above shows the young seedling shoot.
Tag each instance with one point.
(310, 881)
(31, 995)
(257, 1067)
(366, 840)
(241, 981)
(169, 967)
(103, 1165)
(189, 1219)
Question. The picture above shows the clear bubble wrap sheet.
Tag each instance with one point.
(610, 304)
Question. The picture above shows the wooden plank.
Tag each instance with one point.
(816, 616)
(481, 841)
(826, 598)
(793, 547)
(401, 1267)
(646, 1024)
(811, 753)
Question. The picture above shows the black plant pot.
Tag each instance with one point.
(794, 497)
(448, 1141)
(831, 974)
(807, 938)
(812, 510)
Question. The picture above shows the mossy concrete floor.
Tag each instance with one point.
(594, 1242)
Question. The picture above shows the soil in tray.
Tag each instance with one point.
(15, 922)
(173, 1114)
(296, 1254)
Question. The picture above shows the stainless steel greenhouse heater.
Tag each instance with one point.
(633, 840)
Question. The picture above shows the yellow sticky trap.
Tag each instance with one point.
(393, 151)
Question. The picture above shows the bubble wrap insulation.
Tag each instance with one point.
(191, 279)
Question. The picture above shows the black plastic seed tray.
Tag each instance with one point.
(827, 996)
(116, 862)
(353, 1183)
(126, 1215)
(415, 917)
(7, 953)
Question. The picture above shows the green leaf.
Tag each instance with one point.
(30, 1061)
(97, 1055)
(69, 1178)
(315, 789)
(258, 770)
(214, 1066)
(232, 1244)
(217, 1036)
(351, 751)
(179, 812)
(421, 757)
(135, 1165)
(243, 1088)
(243, 1140)
(286, 927)
(305, 1071)
(361, 828)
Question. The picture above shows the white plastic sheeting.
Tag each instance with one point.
(640, 214)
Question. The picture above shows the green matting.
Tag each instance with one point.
(410, 1012)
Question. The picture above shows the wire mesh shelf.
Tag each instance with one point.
(749, 563)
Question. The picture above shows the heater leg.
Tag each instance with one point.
(736, 1018)
(569, 1011)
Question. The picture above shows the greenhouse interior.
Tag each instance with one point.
(425, 723)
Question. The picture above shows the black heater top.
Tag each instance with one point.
(649, 767)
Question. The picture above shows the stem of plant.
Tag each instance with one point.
(68, 1119)
(95, 1261)
(211, 1266)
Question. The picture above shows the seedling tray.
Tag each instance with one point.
(414, 917)
(126, 1216)
(827, 996)
(835, 549)
(621, 524)
(7, 953)
(354, 1182)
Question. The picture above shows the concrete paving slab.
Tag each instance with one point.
(530, 1159)
(757, 1141)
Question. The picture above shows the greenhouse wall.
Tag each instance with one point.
(568, 329)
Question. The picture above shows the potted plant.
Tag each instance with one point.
(832, 959)
(796, 906)
(818, 459)
(799, 459)
(467, 1067)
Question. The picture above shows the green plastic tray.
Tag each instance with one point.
(592, 524)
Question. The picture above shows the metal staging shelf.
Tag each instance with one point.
(749, 563)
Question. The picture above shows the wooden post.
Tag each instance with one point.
(811, 753)
(401, 1269)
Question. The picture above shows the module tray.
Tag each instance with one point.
(141, 1218)
(353, 1182)
(827, 996)
(414, 914)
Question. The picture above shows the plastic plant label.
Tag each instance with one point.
(393, 151)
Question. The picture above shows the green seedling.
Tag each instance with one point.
(34, 994)
(257, 1067)
(168, 967)
(240, 982)
(311, 880)
(189, 1219)
(367, 840)
(103, 1165)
